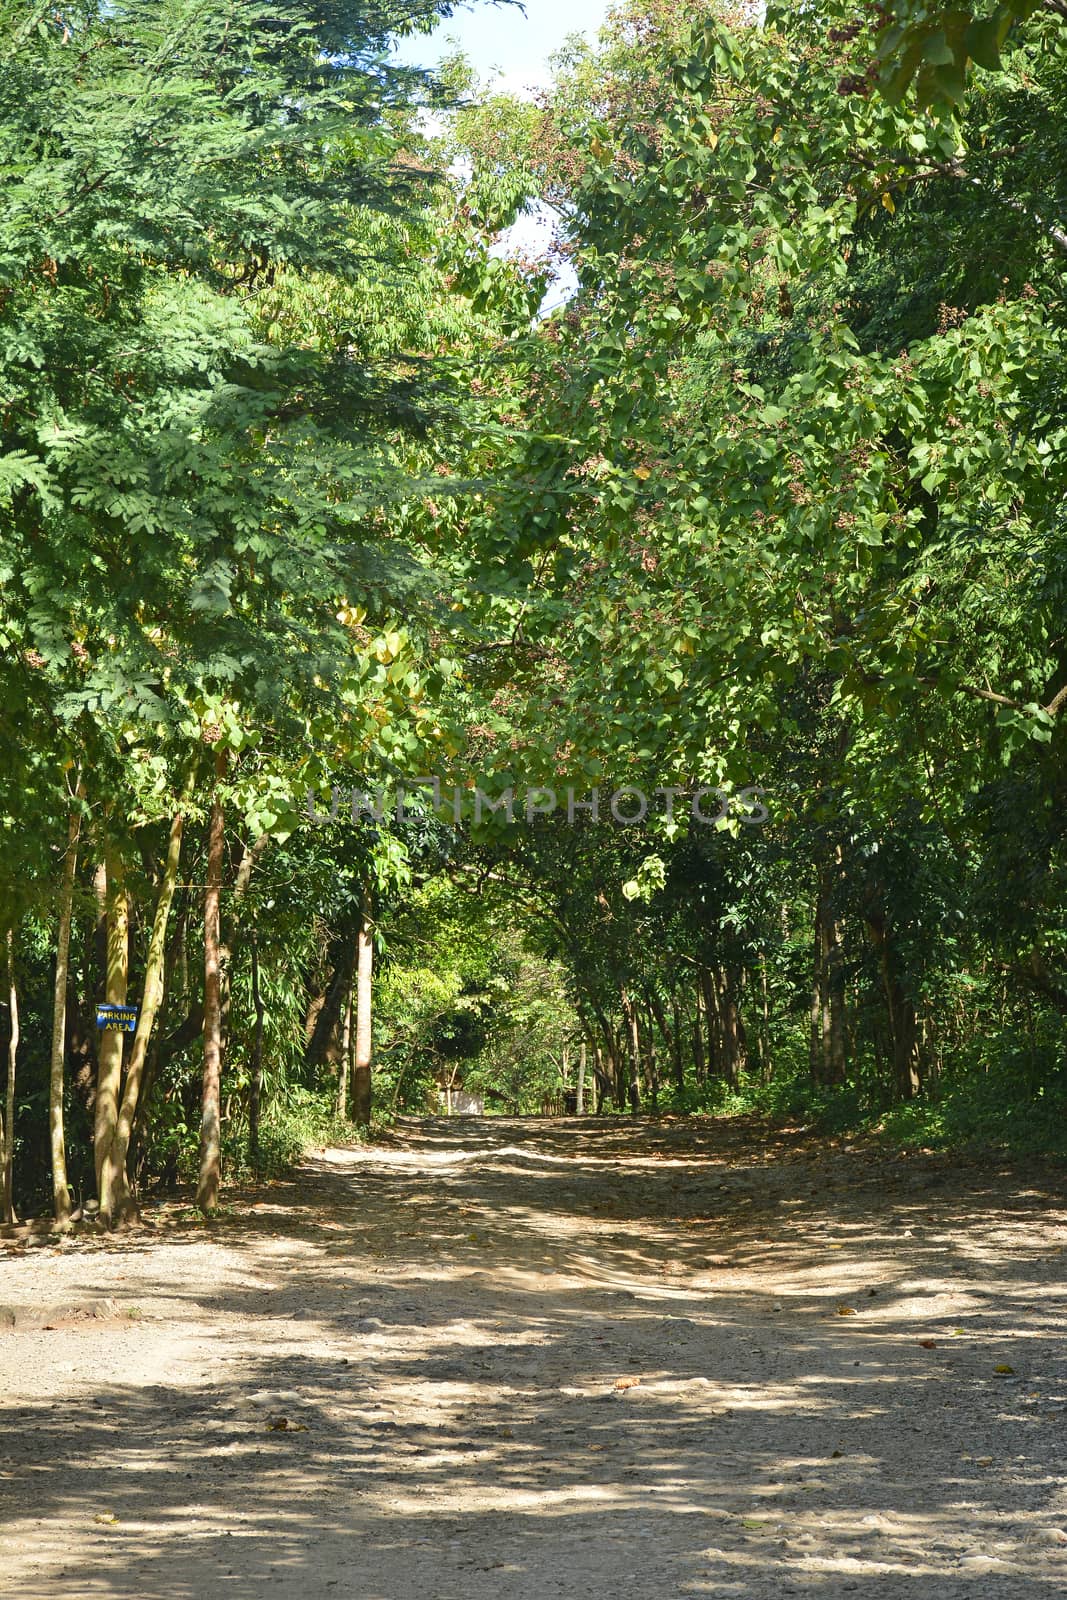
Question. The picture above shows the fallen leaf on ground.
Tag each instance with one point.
(105, 1516)
(1004, 1369)
(627, 1383)
(928, 1344)
(283, 1425)
(846, 1311)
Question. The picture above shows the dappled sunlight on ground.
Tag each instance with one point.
(551, 1358)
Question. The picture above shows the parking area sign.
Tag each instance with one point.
(120, 1018)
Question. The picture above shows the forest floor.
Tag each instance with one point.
(550, 1358)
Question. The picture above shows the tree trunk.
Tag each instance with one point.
(633, 1051)
(207, 1193)
(326, 1012)
(699, 1058)
(900, 1011)
(712, 1022)
(599, 1080)
(766, 1065)
(255, 1088)
(735, 1043)
(346, 1056)
(60, 1189)
(677, 1057)
(12, 1058)
(112, 1040)
(828, 1063)
(902, 1024)
(653, 1068)
(579, 1102)
(666, 1033)
(361, 1072)
(118, 1179)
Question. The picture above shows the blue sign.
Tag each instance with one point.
(120, 1018)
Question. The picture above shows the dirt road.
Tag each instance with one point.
(537, 1359)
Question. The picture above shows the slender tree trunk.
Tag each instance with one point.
(766, 1065)
(60, 1189)
(112, 1040)
(900, 1011)
(653, 1068)
(828, 1060)
(620, 1062)
(666, 1032)
(361, 1073)
(118, 1179)
(346, 1056)
(579, 1103)
(677, 1055)
(175, 996)
(207, 1193)
(633, 1050)
(255, 1090)
(326, 1013)
(902, 1024)
(735, 1043)
(12, 1058)
(712, 1022)
(700, 1064)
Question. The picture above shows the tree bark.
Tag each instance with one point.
(255, 1089)
(60, 1188)
(653, 1065)
(828, 1060)
(677, 1057)
(600, 1081)
(579, 1101)
(119, 1180)
(735, 1042)
(207, 1193)
(700, 1064)
(900, 1011)
(766, 1065)
(12, 1058)
(325, 1014)
(346, 1057)
(112, 1040)
(361, 1073)
(633, 1051)
(712, 1022)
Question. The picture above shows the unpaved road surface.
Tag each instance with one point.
(536, 1359)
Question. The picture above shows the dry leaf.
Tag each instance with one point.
(627, 1383)
(846, 1311)
(1004, 1369)
(106, 1517)
(283, 1425)
(928, 1344)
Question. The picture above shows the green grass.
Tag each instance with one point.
(970, 1109)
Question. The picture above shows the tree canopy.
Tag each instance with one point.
(709, 627)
